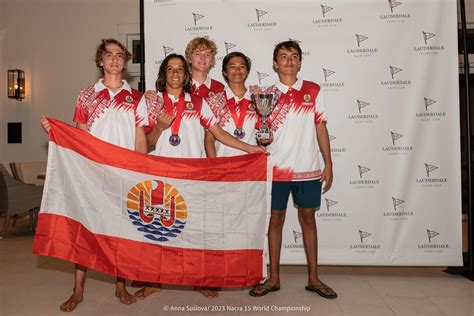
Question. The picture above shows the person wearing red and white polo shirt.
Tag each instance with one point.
(178, 121)
(116, 113)
(233, 108)
(298, 125)
(201, 56)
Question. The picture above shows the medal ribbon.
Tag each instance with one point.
(239, 119)
(177, 111)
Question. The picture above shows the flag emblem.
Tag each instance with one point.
(158, 209)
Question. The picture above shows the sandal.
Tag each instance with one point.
(318, 289)
(263, 289)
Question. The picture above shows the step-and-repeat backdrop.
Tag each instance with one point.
(389, 72)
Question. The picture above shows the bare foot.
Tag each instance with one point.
(71, 303)
(208, 292)
(147, 290)
(123, 295)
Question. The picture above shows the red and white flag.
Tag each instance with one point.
(198, 222)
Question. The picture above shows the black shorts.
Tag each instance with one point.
(306, 194)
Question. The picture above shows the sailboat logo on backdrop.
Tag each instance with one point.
(392, 4)
(334, 212)
(167, 50)
(260, 13)
(330, 203)
(394, 71)
(329, 19)
(330, 86)
(398, 213)
(396, 202)
(395, 136)
(431, 113)
(429, 48)
(427, 36)
(197, 17)
(432, 246)
(261, 76)
(362, 51)
(325, 9)
(398, 149)
(362, 170)
(198, 30)
(431, 234)
(297, 235)
(429, 168)
(228, 46)
(327, 73)
(363, 182)
(361, 104)
(261, 25)
(395, 16)
(431, 181)
(360, 39)
(363, 235)
(428, 102)
(365, 247)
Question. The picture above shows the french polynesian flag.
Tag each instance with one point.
(198, 222)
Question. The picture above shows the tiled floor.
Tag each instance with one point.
(32, 285)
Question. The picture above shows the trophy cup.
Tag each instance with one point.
(263, 103)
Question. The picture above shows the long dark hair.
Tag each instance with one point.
(160, 83)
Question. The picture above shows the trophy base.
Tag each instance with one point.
(263, 136)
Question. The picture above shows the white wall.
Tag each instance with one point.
(54, 42)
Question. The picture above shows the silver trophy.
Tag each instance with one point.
(264, 103)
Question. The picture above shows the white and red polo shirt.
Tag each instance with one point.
(197, 116)
(208, 88)
(112, 116)
(295, 149)
(223, 105)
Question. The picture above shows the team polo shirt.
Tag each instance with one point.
(197, 117)
(208, 88)
(220, 106)
(295, 148)
(112, 116)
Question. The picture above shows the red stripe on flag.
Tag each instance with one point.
(252, 167)
(67, 239)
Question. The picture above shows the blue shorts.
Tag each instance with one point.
(305, 194)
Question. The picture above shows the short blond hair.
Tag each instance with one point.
(198, 44)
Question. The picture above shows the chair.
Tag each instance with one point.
(29, 171)
(17, 198)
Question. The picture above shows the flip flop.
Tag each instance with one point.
(266, 290)
(318, 289)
